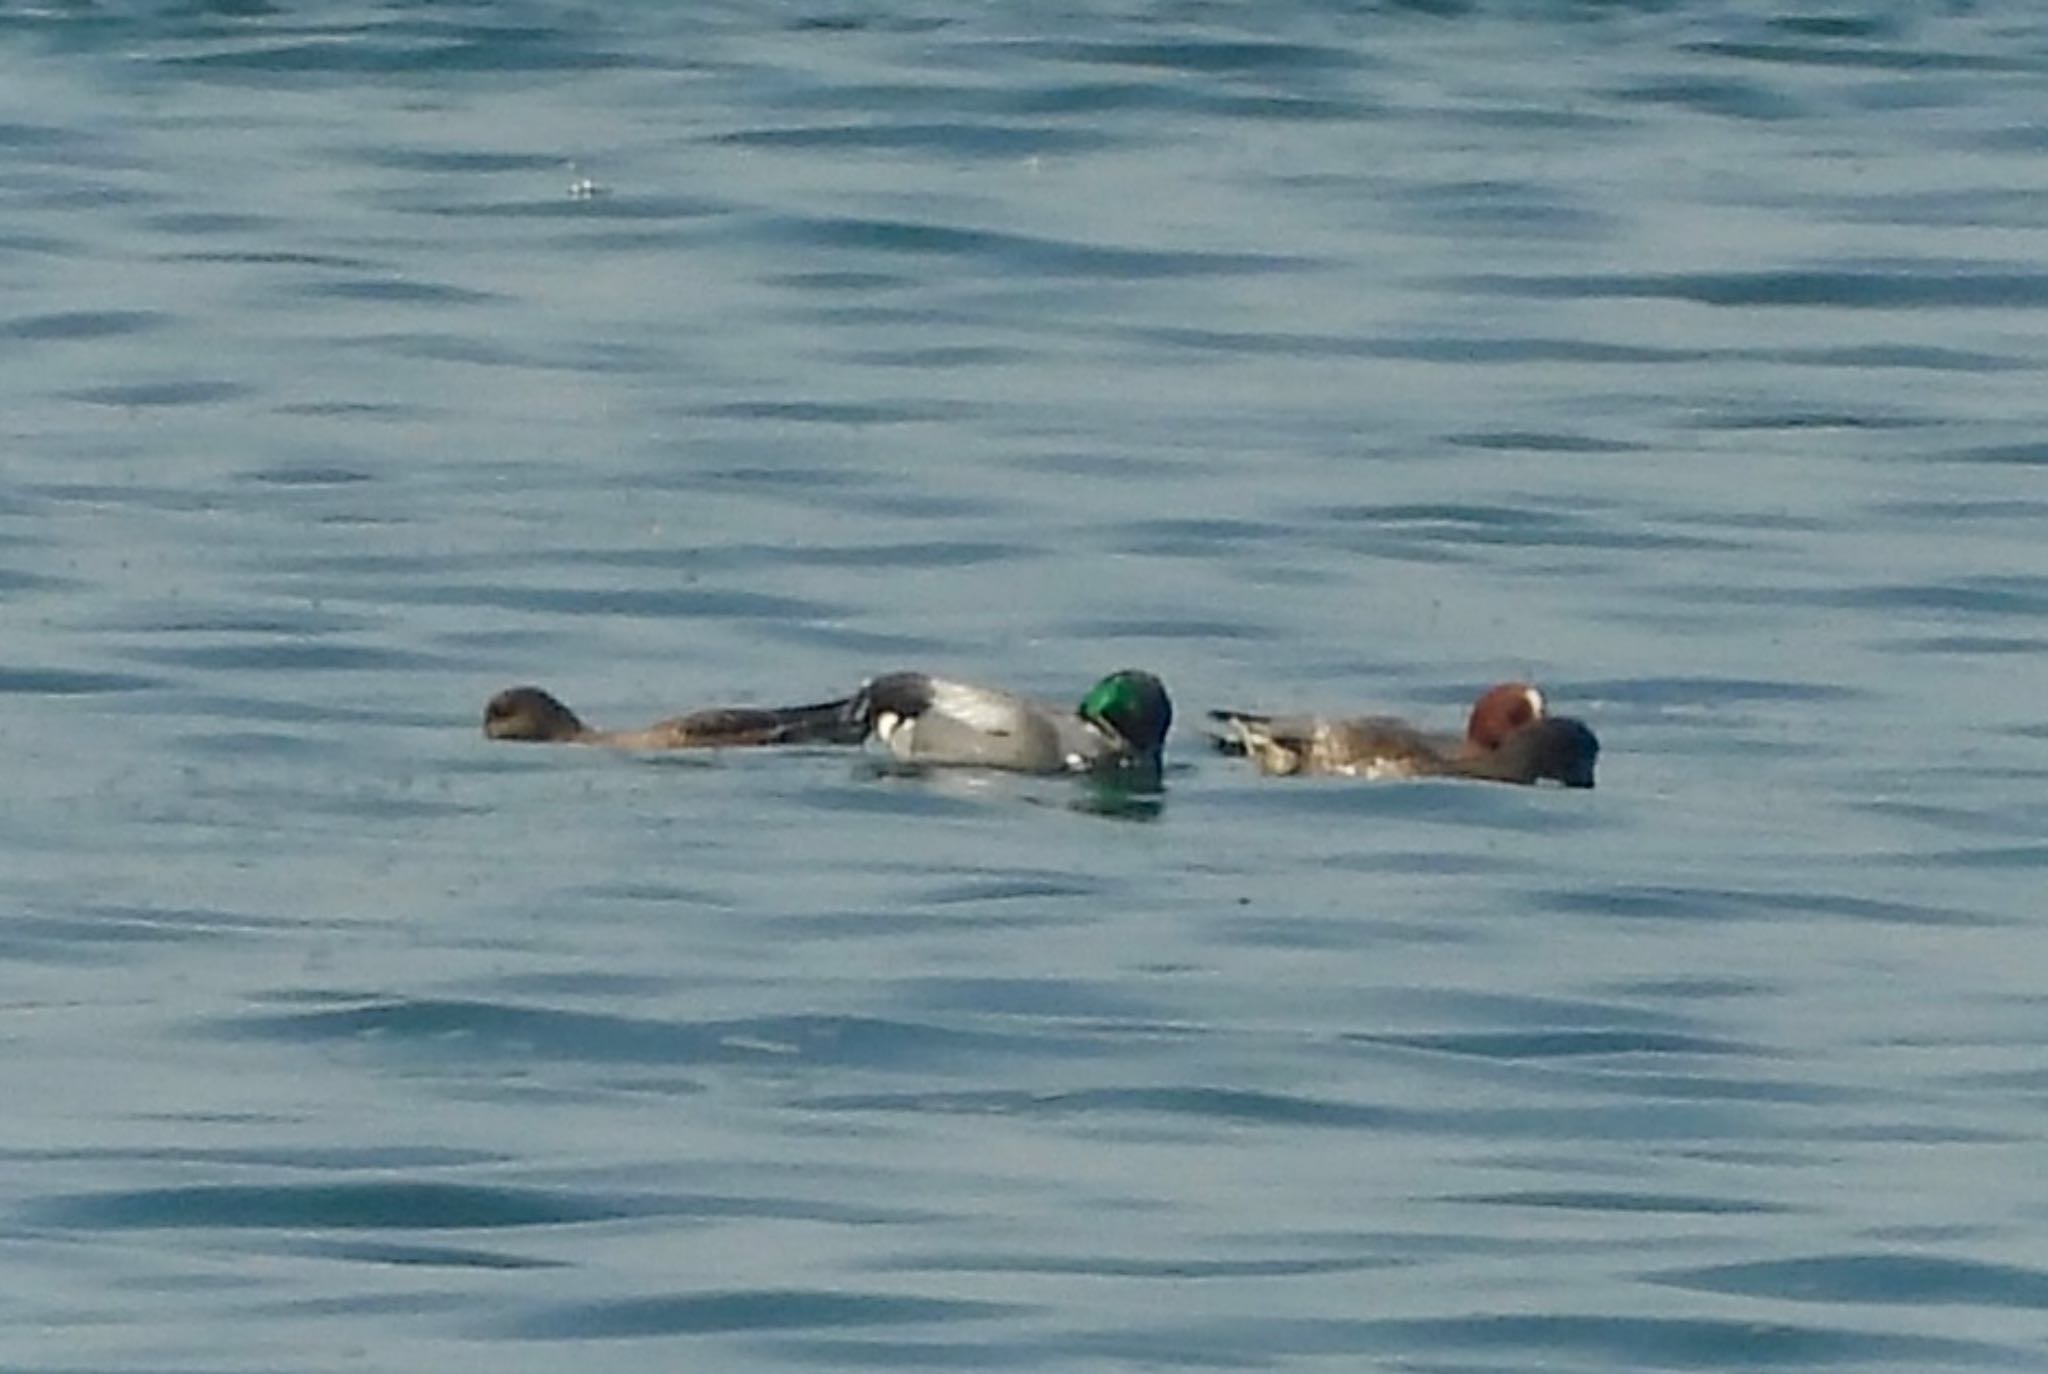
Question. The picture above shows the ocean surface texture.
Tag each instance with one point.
(360, 359)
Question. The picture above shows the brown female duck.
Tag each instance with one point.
(1508, 738)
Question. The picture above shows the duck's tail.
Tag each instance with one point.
(822, 722)
(1235, 732)
(843, 720)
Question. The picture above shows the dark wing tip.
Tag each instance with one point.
(906, 694)
(1232, 742)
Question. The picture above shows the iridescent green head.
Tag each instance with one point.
(1133, 706)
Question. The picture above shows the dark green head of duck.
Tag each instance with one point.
(1131, 705)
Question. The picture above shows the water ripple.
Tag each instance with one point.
(1880, 1279)
(979, 139)
(151, 395)
(83, 324)
(1592, 1340)
(346, 1206)
(471, 1028)
(415, 1256)
(698, 1314)
(71, 682)
(1611, 1200)
(1020, 253)
(1841, 289)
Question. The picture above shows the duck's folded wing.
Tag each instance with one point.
(830, 721)
(1384, 747)
(983, 709)
(925, 719)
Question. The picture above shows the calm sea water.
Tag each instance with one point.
(359, 360)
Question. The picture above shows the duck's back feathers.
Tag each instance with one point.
(923, 719)
(932, 720)
(1359, 747)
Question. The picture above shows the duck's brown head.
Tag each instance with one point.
(529, 714)
(1500, 711)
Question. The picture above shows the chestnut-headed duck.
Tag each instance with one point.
(531, 715)
(1508, 738)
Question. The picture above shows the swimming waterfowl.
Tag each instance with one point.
(531, 715)
(1509, 714)
(1374, 746)
(1119, 726)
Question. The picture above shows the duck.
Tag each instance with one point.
(1118, 728)
(532, 715)
(1509, 737)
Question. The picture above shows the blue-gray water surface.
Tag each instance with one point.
(361, 359)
